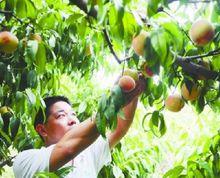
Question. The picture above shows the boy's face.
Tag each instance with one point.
(61, 119)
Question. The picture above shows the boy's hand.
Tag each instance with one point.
(139, 88)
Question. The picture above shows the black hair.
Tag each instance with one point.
(45, 112)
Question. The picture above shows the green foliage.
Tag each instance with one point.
(61, 173)
(108, 110)
(205, 164)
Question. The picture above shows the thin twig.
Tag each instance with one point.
(110, 46)
(6, 12)
(13, 15)
(126, 59)
(189, 58)
(178, 25)
(112, 50)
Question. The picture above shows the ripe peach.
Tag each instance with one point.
(132, 73)
(201, 32)
(8, 42)
(190, 95)
(174, 103)
(138, 43)
(126, 83)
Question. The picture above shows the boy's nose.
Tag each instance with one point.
(71, 122)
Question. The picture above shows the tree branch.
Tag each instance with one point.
(195, 69)
(110, 46)
(189, 58)
(13, 15)
(6, 12)
(82, 4)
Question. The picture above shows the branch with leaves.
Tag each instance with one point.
(13, 15)
(195, 69)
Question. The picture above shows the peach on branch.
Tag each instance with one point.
(190, 95)
(201, 32)
(174, 103)
(138, 43)
(132, 73)
(8, 42)
(126, 83)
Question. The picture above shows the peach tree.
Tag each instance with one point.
(178, 56)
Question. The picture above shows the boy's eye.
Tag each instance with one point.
(61, 115)
(73, 114)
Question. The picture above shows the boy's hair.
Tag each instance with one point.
(49, 101)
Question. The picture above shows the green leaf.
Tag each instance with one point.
(64, 171)
(32, 79)
(73, 18)
(50, 20)
(81, 28)
(25, 8)
(5, 138)
(31, 97)
(157, 124)
(216, 63)
(110, 112)
(6, 120)
(200, 104)
(117, 97)
(21, 9)
(103, 103)
(20, 102)
(130, 27)
(152, 7)
(174, 173)
(116, 23)
(14, 126)
(46, 175)
(9, 5)
(31, 10)
(205, 166)
(175, 35)
(150, 54)
(197, 173)
(160, 43)
(41, 58)
(31, 51)
(101, 124)
(82, 107)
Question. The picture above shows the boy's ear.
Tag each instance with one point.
(40, 128)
